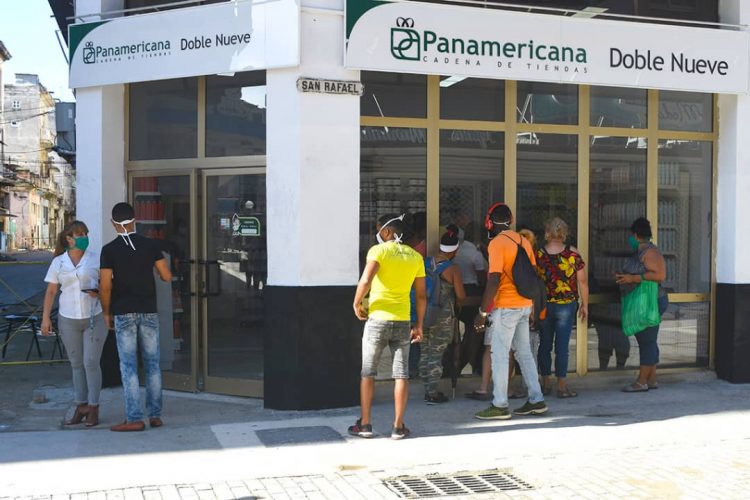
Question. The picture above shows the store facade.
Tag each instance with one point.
(262, 169)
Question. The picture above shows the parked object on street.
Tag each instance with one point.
(392, 269)
(75, 273)
(128, 295)
(645, 266)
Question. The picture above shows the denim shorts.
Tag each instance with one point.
(378, 334)
(648, 345)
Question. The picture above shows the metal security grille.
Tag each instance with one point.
(463, 483)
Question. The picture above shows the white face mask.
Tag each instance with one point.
(126, 235)
(398, 237)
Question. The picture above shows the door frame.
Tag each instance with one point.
(221, 385)
(172, 380)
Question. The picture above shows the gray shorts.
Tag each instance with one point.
(377, 335)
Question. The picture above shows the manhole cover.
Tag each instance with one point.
(462, 483)
(298, 435)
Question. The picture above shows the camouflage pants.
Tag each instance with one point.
(436, 339)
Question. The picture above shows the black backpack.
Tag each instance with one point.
(527, 281)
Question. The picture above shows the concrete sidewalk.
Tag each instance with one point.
(689, 439)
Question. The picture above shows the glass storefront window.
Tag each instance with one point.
(683, 335)
(163, 119)
(464, 98)
(547, 181)
(619, 107)
(552, 103)
(617, 196)
(393, 179)
(685, 111)
(236, 114)
(471, 166)
(394, 94)
(162, 209)
(471, 178)
(685, 202)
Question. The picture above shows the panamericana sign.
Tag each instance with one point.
(426, 38)
(205, 40)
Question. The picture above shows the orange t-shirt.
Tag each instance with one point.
(502, 252)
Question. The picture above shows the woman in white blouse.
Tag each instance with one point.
(75, 272)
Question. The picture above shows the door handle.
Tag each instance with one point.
(208, 292)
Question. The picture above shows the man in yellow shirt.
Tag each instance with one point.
(509, 319)
(392, 269)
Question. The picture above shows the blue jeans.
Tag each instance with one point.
(132, 329)
(557, 327)
(509, 329)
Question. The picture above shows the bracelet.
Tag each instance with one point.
(483, 313)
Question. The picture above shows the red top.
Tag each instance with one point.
(559, 274)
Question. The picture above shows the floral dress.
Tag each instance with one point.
(559, 274)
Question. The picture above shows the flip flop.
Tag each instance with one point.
(567, 393)
(635, 387)
(479, 396)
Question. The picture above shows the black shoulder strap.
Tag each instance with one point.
(511, 239)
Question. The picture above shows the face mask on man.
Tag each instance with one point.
(398, 237)
(126, 235)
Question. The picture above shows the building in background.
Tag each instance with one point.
(262, 164)
(5, 180)
(40, 199)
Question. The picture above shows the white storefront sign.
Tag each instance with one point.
(241, 35)
(422, 38)
(320, 86)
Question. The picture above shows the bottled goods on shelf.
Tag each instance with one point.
(146, 184)
(149, 210)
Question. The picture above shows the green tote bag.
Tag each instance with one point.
(640, 308)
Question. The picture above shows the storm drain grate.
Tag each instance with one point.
(462, 483)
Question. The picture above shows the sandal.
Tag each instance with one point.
(635, 387)
(517, 395)
(547, 390)
(567, 393)
(479, 396)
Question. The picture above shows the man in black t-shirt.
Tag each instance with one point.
(128, 293)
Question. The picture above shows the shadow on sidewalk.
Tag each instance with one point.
(210, 422)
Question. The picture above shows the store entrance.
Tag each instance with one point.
(212, 226)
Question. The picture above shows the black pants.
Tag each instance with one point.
(472, 344)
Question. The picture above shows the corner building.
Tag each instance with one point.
(228, 127)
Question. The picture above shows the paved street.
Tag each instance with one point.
(25, 276)
(689, 439)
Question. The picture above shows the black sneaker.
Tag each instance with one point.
(401, 433)
(363, 431)
(435, 398)
(530, 408)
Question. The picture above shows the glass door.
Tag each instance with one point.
(233, 276)
(164, 207)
